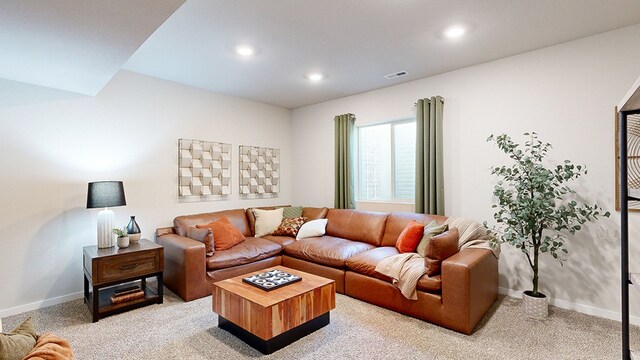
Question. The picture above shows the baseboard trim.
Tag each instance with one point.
(40, 304)
(585, 309)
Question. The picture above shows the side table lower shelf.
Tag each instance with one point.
(104, 307)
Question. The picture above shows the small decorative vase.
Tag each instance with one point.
(123, 242)
(535, 306)
(133, 230)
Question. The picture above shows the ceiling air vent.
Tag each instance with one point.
(396, 75)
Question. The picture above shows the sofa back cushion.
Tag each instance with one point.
(397, 221)
(251, 216)
(236, 217)
(314, 213)
(356, 225)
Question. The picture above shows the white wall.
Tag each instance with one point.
(566, 93)
(53, 143)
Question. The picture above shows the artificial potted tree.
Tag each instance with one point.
(536, 209)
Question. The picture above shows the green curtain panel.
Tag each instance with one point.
(345, 161)
(429, 163)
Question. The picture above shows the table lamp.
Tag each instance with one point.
(105, 194)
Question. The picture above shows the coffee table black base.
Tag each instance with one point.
(274, 344)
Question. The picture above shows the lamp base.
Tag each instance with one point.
(105, 228)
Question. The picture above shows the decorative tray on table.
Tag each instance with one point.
(271, 279)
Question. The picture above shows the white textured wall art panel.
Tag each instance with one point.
(259, 171)
(204, 169)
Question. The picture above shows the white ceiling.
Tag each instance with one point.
(78, 45)
(355, 42)
(74, 45)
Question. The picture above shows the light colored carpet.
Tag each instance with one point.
(179, 330)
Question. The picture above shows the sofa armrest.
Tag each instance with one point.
(184, 265)
(165, 231)
(469, 287)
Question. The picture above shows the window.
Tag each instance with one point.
(386, 161)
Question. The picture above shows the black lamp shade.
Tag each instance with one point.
(102, 194)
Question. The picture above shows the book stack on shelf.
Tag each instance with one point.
(127, 294)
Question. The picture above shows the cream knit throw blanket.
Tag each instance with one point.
(473, 235)
(406, 269)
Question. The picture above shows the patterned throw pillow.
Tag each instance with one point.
(291, 212)
(290, 227)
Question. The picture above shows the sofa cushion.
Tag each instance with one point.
(250, 250)
(280, 240)
(429, 283)
(440, 248)
(225, 235)
(365, 264)
(397, 221)
(314, 213)
(205, 236)
(326, 250)
(237, 217)
(356, 225)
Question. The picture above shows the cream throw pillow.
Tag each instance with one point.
(312, 228)
(267, 221)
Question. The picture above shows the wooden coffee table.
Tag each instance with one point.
(271, 320)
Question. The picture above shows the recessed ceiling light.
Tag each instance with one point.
(454, 32)
(244, 50)
(315, 77)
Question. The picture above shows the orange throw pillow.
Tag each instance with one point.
(225, 235)
(410, 237)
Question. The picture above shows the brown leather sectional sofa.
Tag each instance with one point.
(355, 241)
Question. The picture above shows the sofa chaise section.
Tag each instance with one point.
(456, 299)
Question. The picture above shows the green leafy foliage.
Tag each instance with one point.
(535, 209)
(120, 232)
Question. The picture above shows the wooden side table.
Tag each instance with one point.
(108, 270)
